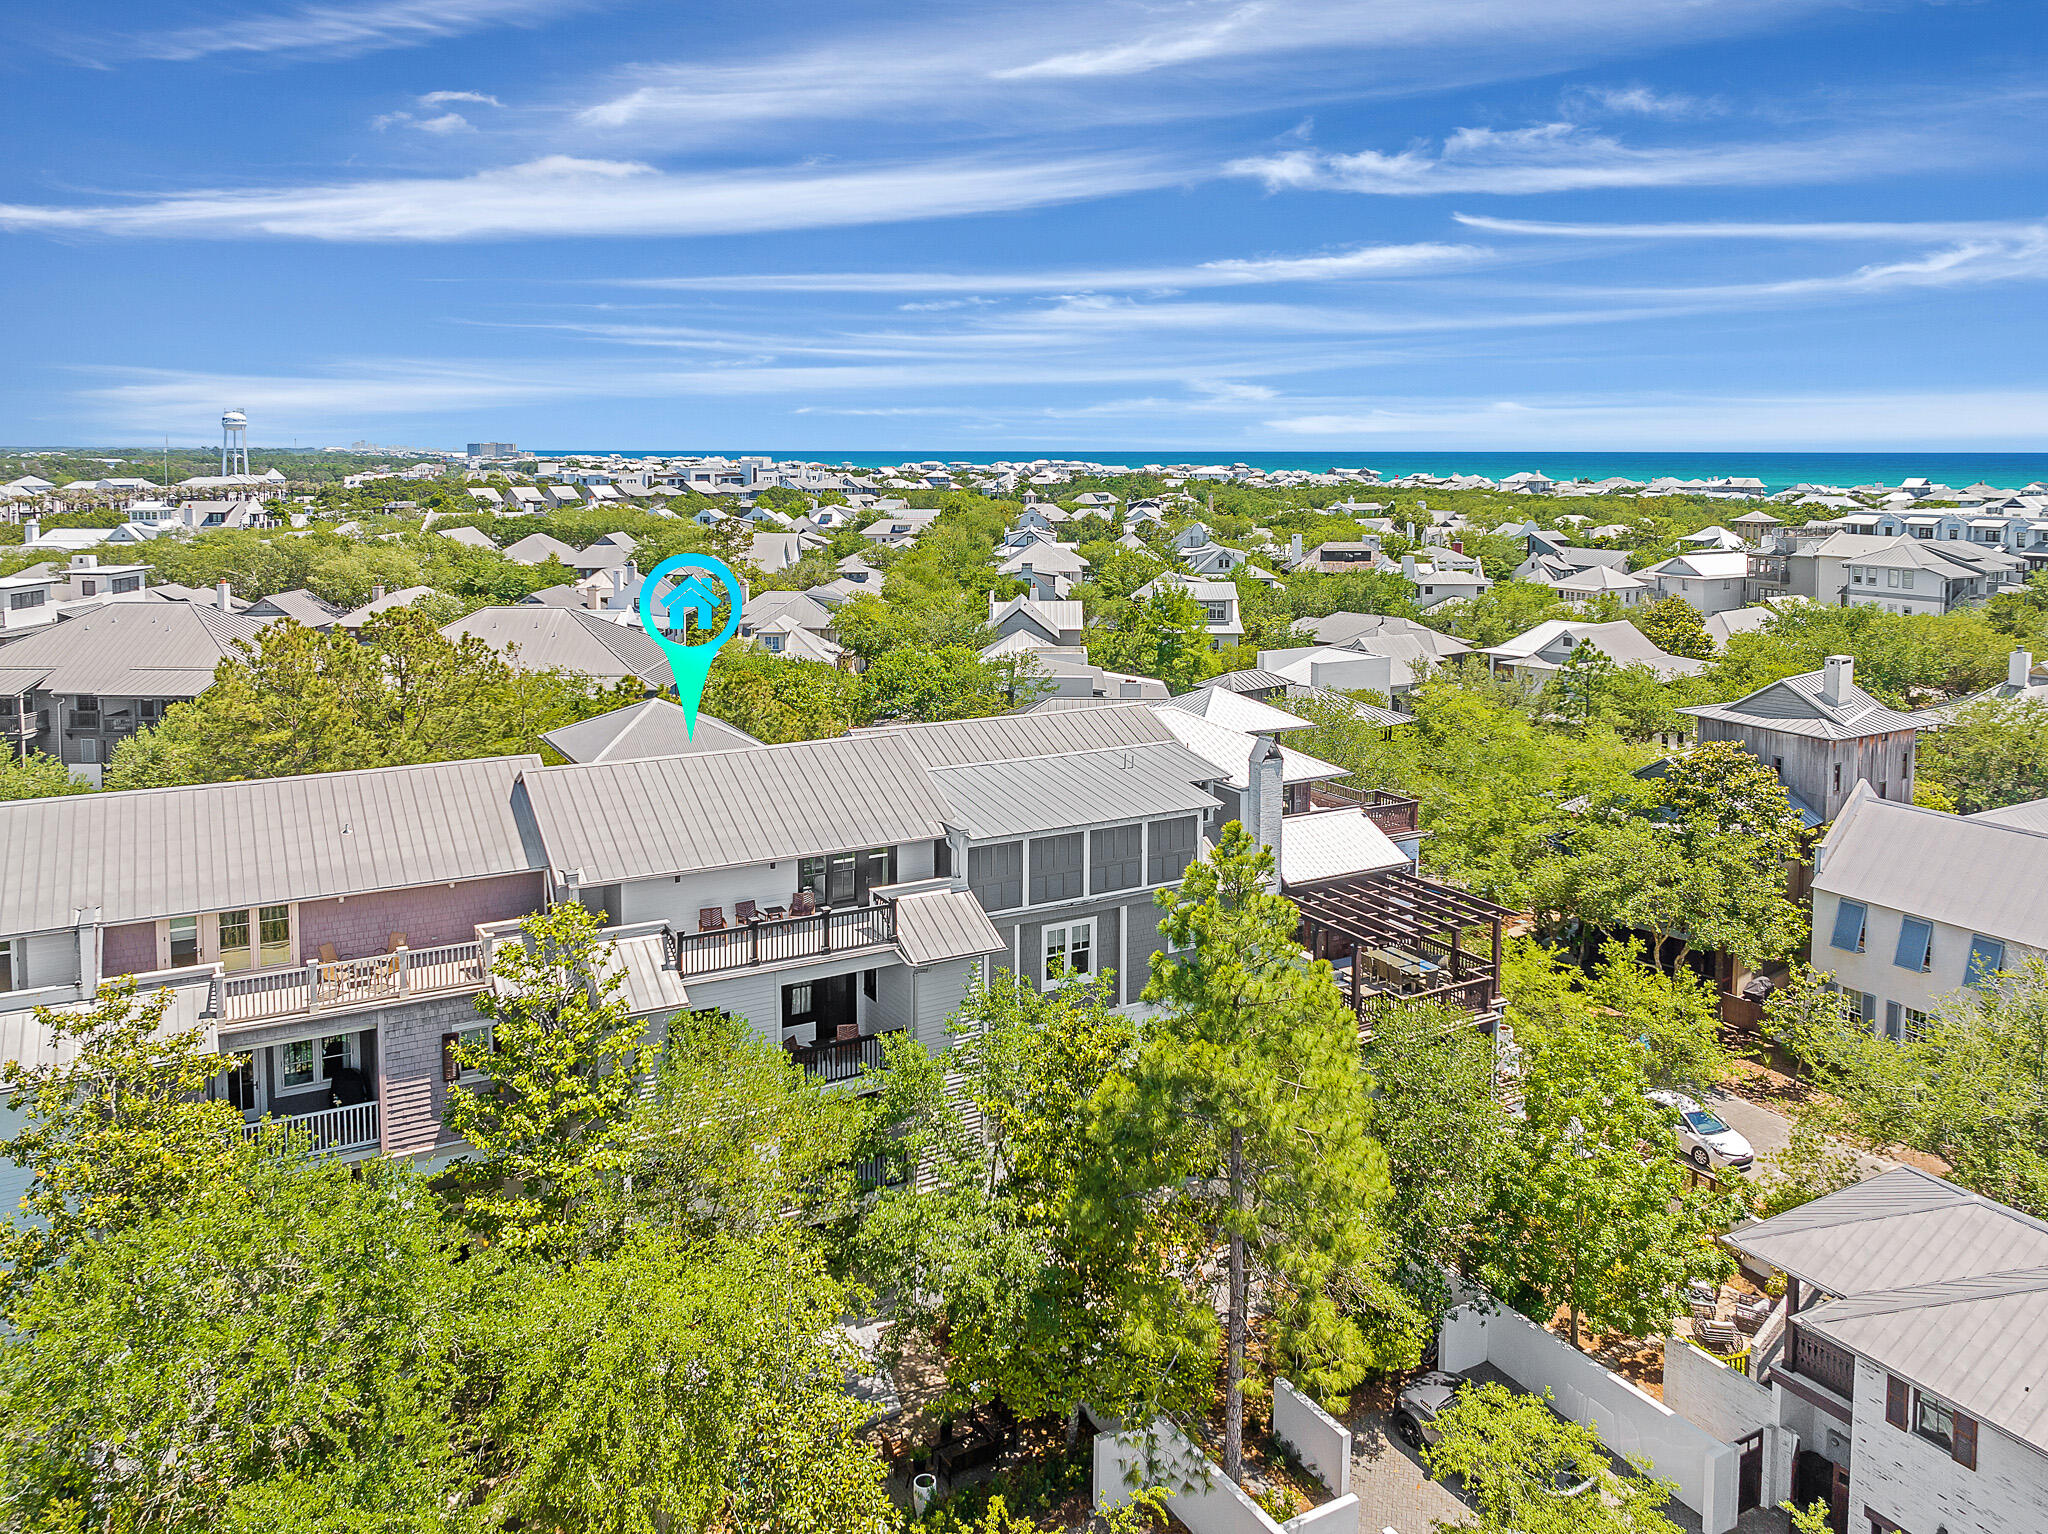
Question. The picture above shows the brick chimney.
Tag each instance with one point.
(1837, 677)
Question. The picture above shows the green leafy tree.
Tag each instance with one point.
(1499, 613)
(777, 700)
(1675, 626)
(1164, 635)
(38, 777)
(678, 1385)
(119, 1131)
(1437, 1114)
(550, 1133)
(1970, 1085)
(1515, 1454)
(1810, 1166)
(278, 1342)
(1575, 692)
(1248, 1108)
(1717, 787)
(952, 682)
(1586, 1222)
(1994, 752)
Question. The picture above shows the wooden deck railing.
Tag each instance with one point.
(351, 983)
(1478, 995)
(1391, 812)
(1811, 1358)
(770, 941)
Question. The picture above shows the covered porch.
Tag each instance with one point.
(1394, 937)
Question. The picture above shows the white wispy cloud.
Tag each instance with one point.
(561, 196)
(344, 30)
(444, 123)
(1642, 101)
(1368, 261)
(1901, 233)
(1567, 157)
(443, 98)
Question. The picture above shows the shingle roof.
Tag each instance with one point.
(1963, 870)
(566, 639)
(128, 650)
(725, 809)
(1025, 796)
(160, 852)
(944, 924)
(652, 727)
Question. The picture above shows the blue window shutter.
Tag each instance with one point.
(1849, 916)
(1915, 937)
(1987, 957)
(1894, 1025)
(1869, 1010)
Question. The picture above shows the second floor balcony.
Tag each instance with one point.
(1395, 814)
(754, 939)
(349, 984)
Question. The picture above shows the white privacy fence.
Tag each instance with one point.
(1197, 1491)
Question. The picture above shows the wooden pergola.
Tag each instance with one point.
(1397, 910)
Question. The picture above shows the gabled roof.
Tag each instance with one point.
(1024, 796)
(1334, 844)
(535, 638)
(158, 852)
(1794, 706)
(1704, 564)
(652, 727)
(724, 809)
(1236, 712)
(405, 596)
(536, 548)
(300, 606)
(1901, 1228)
(1962, 870)
(1231, 752)
(1051, 618)
(128, 650)
(937, 925)
(953, 742)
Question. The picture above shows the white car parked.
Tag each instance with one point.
(1704, 1138)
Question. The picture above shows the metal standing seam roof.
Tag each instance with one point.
(26, 1040)
(566, 639)
(535, 548)
(1230, 751)
(944, 924)
(620, 821)
(158, 852)
(1899, 1229)
(1977, 1342)
(956, 742)
(1794, 706)
(1961, 870)
(1333, 844)
(653, 727)
(1023, 797)
(128, 650)
(1236, 712)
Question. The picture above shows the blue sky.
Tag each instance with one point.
(1204, 224)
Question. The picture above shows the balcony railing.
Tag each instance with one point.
(774, 940)
(1479, 996)
(1811, 1358)
(844, 1059)
(352, 1127)
(351, 983)
(1391, 812)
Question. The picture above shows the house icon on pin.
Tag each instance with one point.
(694, 600)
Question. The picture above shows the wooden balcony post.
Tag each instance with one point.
(404, 971)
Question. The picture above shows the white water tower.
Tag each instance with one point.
(234, 443)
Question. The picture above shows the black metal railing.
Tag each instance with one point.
(843, 1059)
(768, 940)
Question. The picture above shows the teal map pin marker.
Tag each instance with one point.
(699, 585)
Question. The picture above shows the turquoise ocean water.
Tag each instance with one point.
(1776, 470)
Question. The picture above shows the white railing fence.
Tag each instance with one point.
(353, 1126)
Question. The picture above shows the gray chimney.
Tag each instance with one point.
(376, 593)
(31, 530)
(1836, 678)
(1294, 546)
(1131, 688)
(2019, 669)
(221, 595)
(1265, 795)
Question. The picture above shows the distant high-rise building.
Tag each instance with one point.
(494, 450)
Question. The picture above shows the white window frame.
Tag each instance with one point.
(1082, 927)
(290, 1079)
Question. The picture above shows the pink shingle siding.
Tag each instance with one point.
(128, 950)
(438, 914)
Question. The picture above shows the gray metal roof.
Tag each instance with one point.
(299, 606)
(1025, 796)
(959, 741)
(161, 852)
(725, 809)
(944, 924)
(391, 601)
(1976, 1342)
(1795, 706)
(566, 639)
(535, 549)
(653, 727)
(128, 650)
(2031, 816)
(1898, 1229)
(1963, 870)
(26, 1040)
